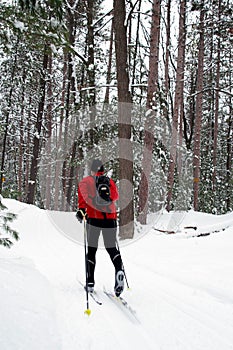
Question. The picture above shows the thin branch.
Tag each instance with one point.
(208, 89)
(81, 57)
(100, 19)
(131, 11)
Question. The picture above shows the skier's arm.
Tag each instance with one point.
(83, 195)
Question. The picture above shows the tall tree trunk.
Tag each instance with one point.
(198, 119)
(4, 150)
(167, 55)
(178, 104)
(108, 78)
(6, 124)
(48, 142)
(229, 159)
(21, 145)
(216, 112)
(229, 145)
(189, 125)
(152, 101)
(58, 165)
(37, 133)
(28, 151)
(91, 51)
(68, 103)
(91, 66)
(124, 120)
(71, 175)
(136, 46)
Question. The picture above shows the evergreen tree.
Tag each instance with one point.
(7, 234)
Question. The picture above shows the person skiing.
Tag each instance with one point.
(100, 219)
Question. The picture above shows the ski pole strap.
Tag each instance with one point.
(83, 213)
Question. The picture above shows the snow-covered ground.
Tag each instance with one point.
(181, 286)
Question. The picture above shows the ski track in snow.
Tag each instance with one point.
(197, 318)
(180, 304)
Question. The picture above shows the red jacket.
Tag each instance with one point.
(87, 193)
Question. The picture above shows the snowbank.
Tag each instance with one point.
(28, 319)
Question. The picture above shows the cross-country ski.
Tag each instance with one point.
(122, 304)
(93, 294)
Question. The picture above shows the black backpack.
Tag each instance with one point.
(102, 198)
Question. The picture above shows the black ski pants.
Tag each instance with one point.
(108, 227)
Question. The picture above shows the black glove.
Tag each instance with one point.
(81, 213)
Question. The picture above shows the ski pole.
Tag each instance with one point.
(122, 265)
(87, 311)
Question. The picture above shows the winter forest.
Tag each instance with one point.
(145, 85)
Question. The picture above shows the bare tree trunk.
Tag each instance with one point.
(189, 126)
(124, 117)
(168, 44)
(71, 175)
(21, 145)
(68, 100)
(20, 169)
(48, 143)
(136, 46)
(6, 124)
(28, 151)
(178, 104)
(198, 119)
(152, 97)
(91, 66)
(215, 147)
(108, 79)
(37, 134)
(229, 159)
(58, 165)
(211, 93)
(229, 147)
(90, 49)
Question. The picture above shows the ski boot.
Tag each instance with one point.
(119, 283)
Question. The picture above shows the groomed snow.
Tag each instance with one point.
(181, 286)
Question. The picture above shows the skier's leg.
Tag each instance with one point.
(93, 233)
(109, 235)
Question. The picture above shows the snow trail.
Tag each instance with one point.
(181, 290)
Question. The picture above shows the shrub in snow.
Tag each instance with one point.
(7, 234)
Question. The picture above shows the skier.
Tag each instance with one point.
(99, 219)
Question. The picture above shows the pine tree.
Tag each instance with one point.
(6, 232)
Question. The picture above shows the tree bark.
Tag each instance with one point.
(58, 166)
(136, 46)
(229, 147)
(21, 146)
(198, 119)
(37, 134)
(229, 159)
(48, 197)
(6, 124)
(152, 101)
(178, 104)
(167, 55)
(68, 103)
(28, 151)
(108, 78)
(91, 67)
(124, 121)
(216, 112)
